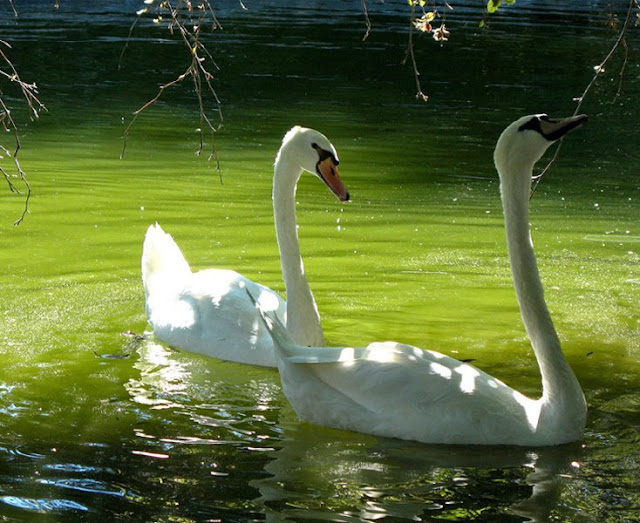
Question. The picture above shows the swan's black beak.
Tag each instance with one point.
(327, 170)
(553, 130)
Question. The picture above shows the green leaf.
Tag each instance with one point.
(493, 5)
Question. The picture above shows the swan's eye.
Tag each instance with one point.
(532, 125)
(323, 154)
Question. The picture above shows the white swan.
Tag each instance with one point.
(394, 390)
(209, 312)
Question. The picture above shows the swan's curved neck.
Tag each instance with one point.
(559, 384)
(303, 320)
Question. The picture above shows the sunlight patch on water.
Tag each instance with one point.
(161, 377)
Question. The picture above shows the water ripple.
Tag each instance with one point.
(42, 505)
(92, 486)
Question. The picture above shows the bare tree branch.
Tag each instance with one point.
(126, 44)
(188, 19)
(598, 70)
(423, 25)
(367, 21)
(13, 8)
(7, 123)
(420, 95)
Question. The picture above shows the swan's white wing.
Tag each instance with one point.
(212, 315)
(393, 370)
(397, 390)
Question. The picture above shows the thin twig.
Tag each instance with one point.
(623, 67)
(599, 69)
(215, 22)
(197, 70)
(7, 123)
(13, 8)
(367, 21)
(157, 97)
(410, 53)
(23, 179)
(126, 43)
(29, 91)
(21, 174)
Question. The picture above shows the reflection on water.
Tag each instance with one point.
(160, 377)
(166, 381)
(418, 256)
(368, 479)
(43, 505)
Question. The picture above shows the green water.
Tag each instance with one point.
(97, 425)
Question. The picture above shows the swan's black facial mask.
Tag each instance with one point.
(323, 155)
(553, 130)
(327, 171)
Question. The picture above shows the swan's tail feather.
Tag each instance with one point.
(282, 340)
(290, 351)
(161, 258)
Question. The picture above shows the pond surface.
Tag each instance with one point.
(98, 422)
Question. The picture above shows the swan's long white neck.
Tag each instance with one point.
(303, 320)
(559, 384)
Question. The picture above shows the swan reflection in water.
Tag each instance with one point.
(224, 402)
(161, 376)
(323, 473)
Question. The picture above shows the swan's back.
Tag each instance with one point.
(212, 316)
(206, 312)
(396, 390)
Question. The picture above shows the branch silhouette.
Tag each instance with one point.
(598, 71)
(187, 20)
(29, 92)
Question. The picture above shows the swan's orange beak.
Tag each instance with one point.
(328, 172)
